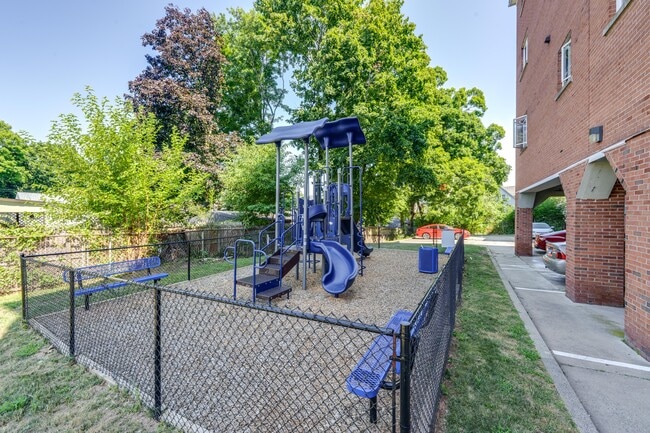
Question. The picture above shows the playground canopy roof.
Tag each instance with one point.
(336, 132)
(298, 131)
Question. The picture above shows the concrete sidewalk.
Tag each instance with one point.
(604, 383)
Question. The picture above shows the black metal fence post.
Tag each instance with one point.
(405, 378)
(189, 260)
(157, 368)
(23, 283)
(71, 275)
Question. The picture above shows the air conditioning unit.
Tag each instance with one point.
(520, 136)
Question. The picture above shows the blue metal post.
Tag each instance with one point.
(305, 217)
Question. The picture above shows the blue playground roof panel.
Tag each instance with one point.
(337, 133)
(298, 131)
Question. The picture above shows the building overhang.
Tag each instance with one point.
(11, 205)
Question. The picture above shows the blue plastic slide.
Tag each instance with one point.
(341, 267)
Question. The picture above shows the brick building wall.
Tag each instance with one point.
(596, 244)
(608, 240)
(632, 165)
(610, 84)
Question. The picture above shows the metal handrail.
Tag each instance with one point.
(233, 260)
(259, 236)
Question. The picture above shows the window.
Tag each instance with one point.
(565, 63)
(616, 11)
(524, 54)
(520, 132)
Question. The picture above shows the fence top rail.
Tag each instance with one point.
(34, 259)
(127, 247)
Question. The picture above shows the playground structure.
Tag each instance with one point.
(326, 227)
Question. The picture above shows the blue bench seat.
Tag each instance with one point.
(122, 268)
(369, 375)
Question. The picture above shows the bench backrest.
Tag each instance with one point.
(90, 272)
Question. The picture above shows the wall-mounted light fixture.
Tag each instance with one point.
(596, 134)
(547, 40)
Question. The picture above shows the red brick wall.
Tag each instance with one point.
(632, 165)
(595, 244)
(524, 231)
(610, 87)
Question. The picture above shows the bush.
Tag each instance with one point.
(552, 211)
(506, 226)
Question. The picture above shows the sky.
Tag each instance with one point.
(51, 50)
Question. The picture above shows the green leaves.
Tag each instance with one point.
(110, 174)
(13, 161)
(363, 58)
(249, 181)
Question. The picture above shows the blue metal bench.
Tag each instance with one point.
(110, 269)
(369, 375)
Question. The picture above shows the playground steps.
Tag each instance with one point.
(267, 281)
(262, 281)
(269, 294)
(289, 260)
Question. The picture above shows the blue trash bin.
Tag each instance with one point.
(428, 260)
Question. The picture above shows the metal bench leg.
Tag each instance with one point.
(87, 302)
(373, 410)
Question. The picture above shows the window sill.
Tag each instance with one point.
(563, 88)
(616, 17)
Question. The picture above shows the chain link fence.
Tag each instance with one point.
(93, 248)
(204, 362)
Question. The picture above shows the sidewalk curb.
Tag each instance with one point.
(575, 407)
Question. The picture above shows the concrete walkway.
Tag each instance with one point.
(604, 383)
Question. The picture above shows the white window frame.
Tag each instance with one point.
(620, 4)
(524, 53)
(520, 132)
(565, 63)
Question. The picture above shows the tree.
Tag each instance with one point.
(249, 181)
(13, 161)
(349, 57)
(253, 89)
(365, 59)
(182, 86)
(552, 211)
(114, 175)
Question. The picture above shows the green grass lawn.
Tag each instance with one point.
(496, 381)
(44, 391)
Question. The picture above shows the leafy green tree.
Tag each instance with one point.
(249, 181)
(349, 57)
(39, 171)
(183, 85)
(13, 161)
(253, 89)
(111, 173)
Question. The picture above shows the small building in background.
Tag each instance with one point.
(27, 208)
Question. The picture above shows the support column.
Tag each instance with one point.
(630, 163)
(524, 224)
(595, 272)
